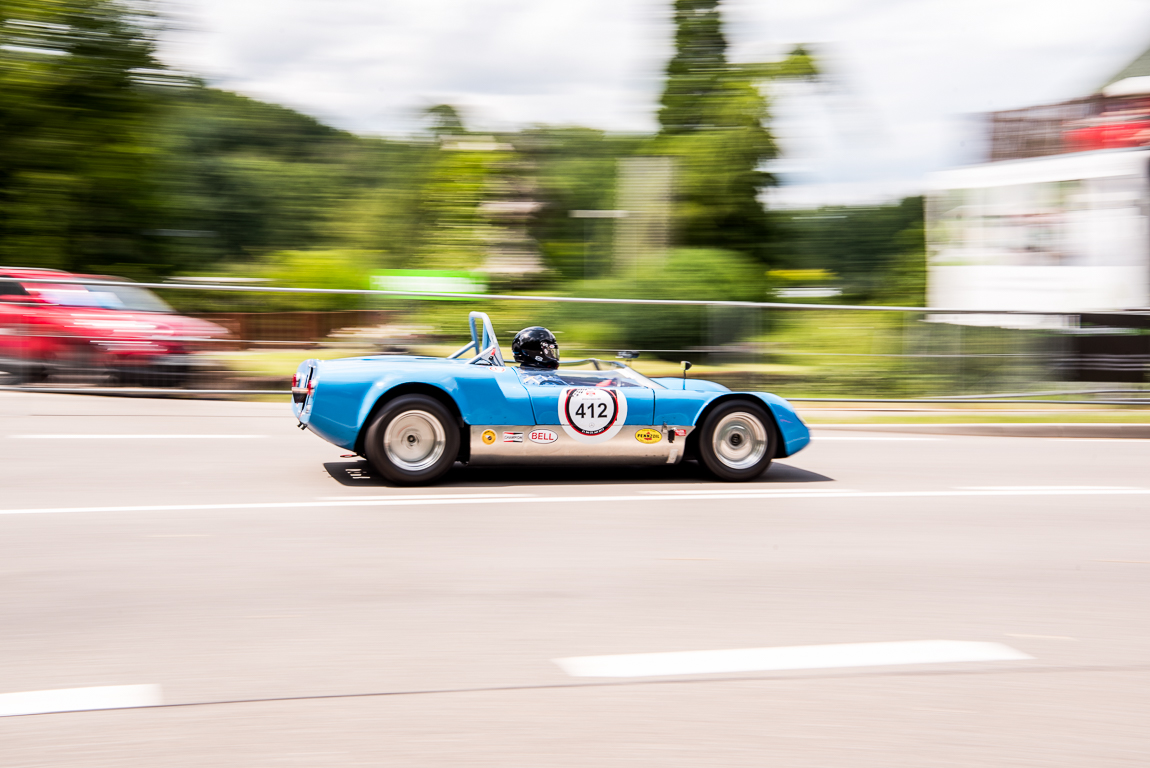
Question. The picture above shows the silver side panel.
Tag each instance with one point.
(514, 445)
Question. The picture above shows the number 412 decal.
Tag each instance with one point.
(592, 415)
(591, 410)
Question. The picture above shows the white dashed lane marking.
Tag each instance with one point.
(137, 437)
(641, 501)
(793, 657)
(1048, 488)
(79, 699)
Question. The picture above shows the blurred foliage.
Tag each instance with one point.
(455, 230)
(344, 269)
(687, 274)
(76, 166)
(878, 252)
(836, 353)
(574, 170)
(111, 163)
(240, 176)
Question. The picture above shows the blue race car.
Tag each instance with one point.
(414, 417)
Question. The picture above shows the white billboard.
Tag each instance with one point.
(1068, 233)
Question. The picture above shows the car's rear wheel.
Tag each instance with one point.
(413, 440)
(737, 441)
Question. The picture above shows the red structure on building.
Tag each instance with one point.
(1117, 116)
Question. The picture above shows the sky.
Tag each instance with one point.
(904, 78)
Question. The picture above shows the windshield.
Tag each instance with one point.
(123, 297)
(615, 377)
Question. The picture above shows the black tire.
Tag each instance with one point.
(14, 372)
(420, 447)
(737, 441)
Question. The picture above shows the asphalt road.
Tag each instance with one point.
(292, 610)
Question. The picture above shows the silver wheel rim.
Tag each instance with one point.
(414, 440)
(740, 440)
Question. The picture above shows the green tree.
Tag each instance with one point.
(714, 122)
(77, 109)
(699, 69)
(444, 119)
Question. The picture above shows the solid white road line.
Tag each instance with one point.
(1097, 439)
(1047, 487)
(641, 502)
(744, 490)
(818, 438)
(137, 437)
(79, 699)
(447, 496)
(793, 657)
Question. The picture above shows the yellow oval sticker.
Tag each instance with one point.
(648, 436)
(488, 436)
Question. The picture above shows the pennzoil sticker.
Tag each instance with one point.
(592, 414)
(513, 437)
(488, 436)
(648, 436)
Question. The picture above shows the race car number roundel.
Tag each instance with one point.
(592, 415)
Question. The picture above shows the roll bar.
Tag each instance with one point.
(483, 341)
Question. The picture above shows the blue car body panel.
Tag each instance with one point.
(346, 392)
(696, 385)
(794, 432)
(545, 400)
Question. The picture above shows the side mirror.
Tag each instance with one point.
(686, 367)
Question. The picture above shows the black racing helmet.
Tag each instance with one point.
(535, 347)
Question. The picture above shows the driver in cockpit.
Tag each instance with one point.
(537, 353)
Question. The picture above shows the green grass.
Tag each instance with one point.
(280, 363)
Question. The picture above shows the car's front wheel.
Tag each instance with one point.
(413, 440)
(737, 441)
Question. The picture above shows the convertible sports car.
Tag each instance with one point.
(414, 417)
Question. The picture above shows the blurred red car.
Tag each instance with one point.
(124, 333)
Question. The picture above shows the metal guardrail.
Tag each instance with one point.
(583, 300)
